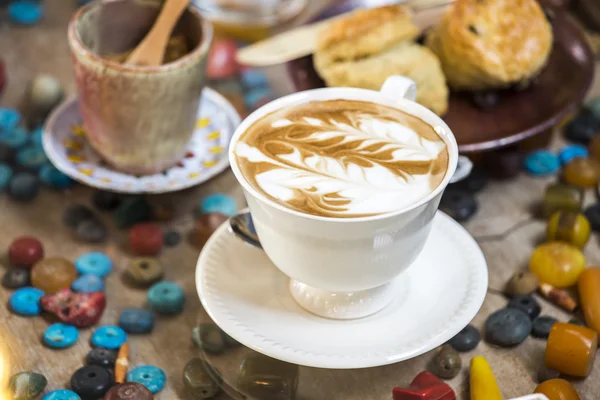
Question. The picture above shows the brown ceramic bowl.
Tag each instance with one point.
(519, 115)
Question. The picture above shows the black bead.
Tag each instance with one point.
(459, 204)
(91, 382)
(91, 231)
(527, 304)
(24, 186)
(507, 327)
(485, 100)
(542, 325)
(102, 357)
(171, 238)
(75, 214)
(582, 128)
(465, 340)
(106, 201)
(16, 278)
(592, 213)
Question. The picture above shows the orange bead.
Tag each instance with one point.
(589, 295)
(557, 389)
(582, 172)
(53, 274)
(557, 263)
(571, 349)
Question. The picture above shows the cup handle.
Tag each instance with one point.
(399, 86)
(463, 169)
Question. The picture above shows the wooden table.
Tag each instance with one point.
(44, 49)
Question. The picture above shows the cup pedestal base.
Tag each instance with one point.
(342, 305)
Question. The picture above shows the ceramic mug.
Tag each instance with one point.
(343, 267)
(139, 119)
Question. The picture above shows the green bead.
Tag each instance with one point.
(26, 385)
(262, 377)
(201, 380)
(594, 106)
(132, 211)
(446, 363)
(209, 338)
(559, 196)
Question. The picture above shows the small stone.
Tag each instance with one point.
(218, 203)
(53, 274)
(60, 336)
(527, 304)
(26, 301)
(26, 385)
(465, 340)
(262, 377)
(206, 225)
(146, 239)
(75, 214)
(91, 231)
(485, 100)
(54, 178)
(136, 320)
(16, 278)
(507, 327)
(447, 363)
(24, 187)
(129, 391)
(25, 251)
(94, 263)
(166, 298)
(542, 325)
(545, 374)
(87, 284)
(102, 357)
(106, 201)
(78, 309)
(61, 395)
(458, 204)
(91, 382)
(109, 336)
(44, 93)
(200, 380)
(171, 238)
(153, 378)
(144, 271)
(32, 158)
(522, 283)
(209, 338)
(221, 61)
(6, 174)
(131, 212)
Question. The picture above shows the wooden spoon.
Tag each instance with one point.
(151, 51)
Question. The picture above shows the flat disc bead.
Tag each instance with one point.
(557, 263)
(61, 394)
(26, 301)
(53, 274)
(541, 163)
(153, 378)
(94, 263)
(583, 172)
(570, 227)
(109, 337)
(129, 391)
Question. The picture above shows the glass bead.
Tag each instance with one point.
(102, 357)
(557, 263)
(582, 172)
(589, 295)
(53, 274)
(263, 377)
(200, 380)
(559, 196)
(592, 213)
(557, 389)
(570, 227)
(571, 349)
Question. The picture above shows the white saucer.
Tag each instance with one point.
(67, 148)
(248, 297)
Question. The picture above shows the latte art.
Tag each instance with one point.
(342, 158)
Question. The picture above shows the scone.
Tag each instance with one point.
(368, 46)
(491, 44)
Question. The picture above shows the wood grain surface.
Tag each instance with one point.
(43, 49)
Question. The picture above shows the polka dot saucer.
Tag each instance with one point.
(65, 144)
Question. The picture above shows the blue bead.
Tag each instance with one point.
(150, 376)
(26, 301)
(94, 263)
(9, 119)
(254, 78)
(61, 395)
(218, 203)
(252, 97)
(36, 137)
(572, 151)
(88, 283)
(541, 163)
(59, 336)
(6, 174)
(136, 320)
(166, 298)
(15, 138)
(110, 337)
(32, 157)
(52, 177)
(24, 186)
(25, 12)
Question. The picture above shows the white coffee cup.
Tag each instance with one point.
(344, 267)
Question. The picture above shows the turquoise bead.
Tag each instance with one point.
(136, 320)
(15, 138)
(110, 337)
(541, 163)
(88, 283)
(9, 119)
(31, 157)
(166, 298)
(6, 174)
(61, 395)
(218, 203)
(150, 376)
(52, 177)
(60, 336)
(570, 152)
(94, 263)
(25, 12)
(36, 137)
(26, 301)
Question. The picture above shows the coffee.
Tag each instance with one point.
(342, 158)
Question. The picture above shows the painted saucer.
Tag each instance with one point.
(65, 144)
(248, 297)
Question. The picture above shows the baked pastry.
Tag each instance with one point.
(491, 44)
(364, 48)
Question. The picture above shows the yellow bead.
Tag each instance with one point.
(582, 172)
(570, 227)
(557, 263)
(483, 382)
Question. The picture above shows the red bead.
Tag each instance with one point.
(25, 251)
(221, 59)
(79, 309)
(425, 386)
(146, 239)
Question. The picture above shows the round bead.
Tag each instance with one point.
(558, 389)
(541, 163)
(75, 214)
(60, 336)
(522, 283)
(206, 225)
(171, 238)
(153, 378)
(16, 278)
(24, 187)
(15, 138)
(91, 382)
(131, 211)
(557, 263)
(129, 391)
(446, 363)
(527, 304)
(26, 301)
(571, 349)
(61, 395)
(146, 239)
(542, 325)
(561, 197)
(25, 12)
(26, 386)
(571, 152)
(32, 158)
(592, 213)
(209, 338)
(570, 227)
(91, 231)
(106, 201)
(25, 251)
(94, 263)
(507, 327)
(88, 283)
(102, 357)
(166, 298)
(144, 271)
(465, 340)
(218, 203)
(6, 174)
(582, 128)
(109, 336)
(54, 178)
(199, 383)
(458, 204)
(136, 320)
(52, 274)
(44, 93)
(9, 118)
(582, 172)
